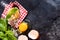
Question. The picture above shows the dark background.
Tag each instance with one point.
(43, 15)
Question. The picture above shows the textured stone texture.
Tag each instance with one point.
(43, 16)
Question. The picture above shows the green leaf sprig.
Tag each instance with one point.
(5, 32)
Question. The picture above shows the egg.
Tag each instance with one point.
(23, 27)
(33, 34)
(22, 37)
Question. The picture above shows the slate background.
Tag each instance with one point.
(43, 15)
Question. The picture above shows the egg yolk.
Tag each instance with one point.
(23, 27)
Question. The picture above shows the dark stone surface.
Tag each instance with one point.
(42, 16)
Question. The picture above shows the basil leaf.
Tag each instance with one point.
(2, 27)
(3, 21)
(5, 38)
(1, 34)
(9, 32)
(12, 11)
(11, 37)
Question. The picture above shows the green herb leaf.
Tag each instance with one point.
(3, 25)
(10, 35)
(9, 32)
(12, 11)
(3, 21)
(1, 34)
(5, 32)
(5, 38)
